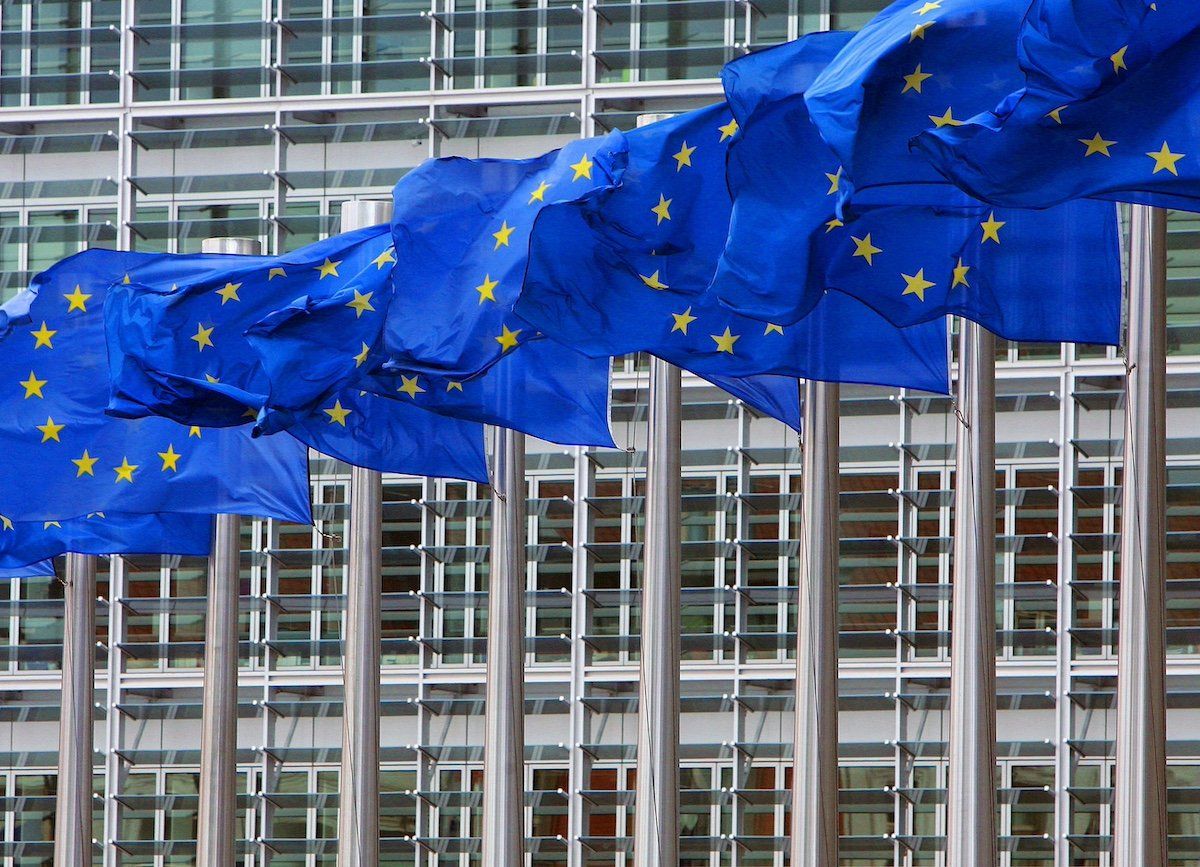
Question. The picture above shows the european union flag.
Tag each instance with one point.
(26, 542)
(919, 64)
(180, 349)
(54, 431)
(627, 268)
(1052, 275)
(1109, 109)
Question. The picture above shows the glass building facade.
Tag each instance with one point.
(152, 124)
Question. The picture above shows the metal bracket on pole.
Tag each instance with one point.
(358, 805)
(73, 800)
(815, 760)
(656, 831)
(971, 788)
(504, 707)
(216, 830)
(1140, 794)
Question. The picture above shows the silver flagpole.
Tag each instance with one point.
(971, 789)
(504, 709)
(815, 759)
(216, 831)
(656, 831)
(656, 826)
(73, 801)
(1140, 796)
(358, 804)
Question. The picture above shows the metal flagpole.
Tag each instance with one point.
(216, 831)
(815, 759)
(73, 800)
(656, 830)
(358, 804)
(971, 788)
(1140, 795)
(504, 708)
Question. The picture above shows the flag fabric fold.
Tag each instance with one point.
(53, 427)
(1109, 109)
(182, 337)
(29, 542)
(1052, 275)
(627, 267)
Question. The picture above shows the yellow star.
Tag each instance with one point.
(682, 320)
(864, 248)
(125, 280)
(203, 337)
(76, 300)
(1164, 160)
(86, 465)
(328, 269)
(918, 32)
(50, 430)
(33, 386)
(125, 471)
(1118, 59)
(946, 119)
(361, 303)
(653, 282)
(275, 272)
(410, 386)
(917, 284)
(486, 289)
(6, 522)
(1097, 145)
(503, 235)
(725, 341)
(916, 80)
(538, 195)
(208, 377)
(228, 292)
(194, 431)
(384, 258)
(337, 413)
(583, 168)
(684, 157)
(835, 181)
(91, 515)
(42, 337)
(170, 459)
(729, 130)
(46, 525)
(960, 275)
(454, 385)
(928, 7)
(991, 228)
(508, 339)
(1056, 114)
(835, 223)
(361, 358)
(250, 413)
(663, 209)
(772, 328)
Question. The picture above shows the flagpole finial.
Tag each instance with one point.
(237, 246)
(360, 213)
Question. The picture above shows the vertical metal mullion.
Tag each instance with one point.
(1063, 766)
(114, 724)
(580, 722)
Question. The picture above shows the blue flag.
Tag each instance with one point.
(627, 268)
(919, 64)
(1052, 275)
(181, 350)
(1110, 108)
(40, 569)
(26, 542)
(63, 456)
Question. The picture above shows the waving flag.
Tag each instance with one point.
(63, 456)
(180, 349)
(918, 65)
(1109, 108)
(26, 542)
(1052, 275)
(40, 569)
(627, 268)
